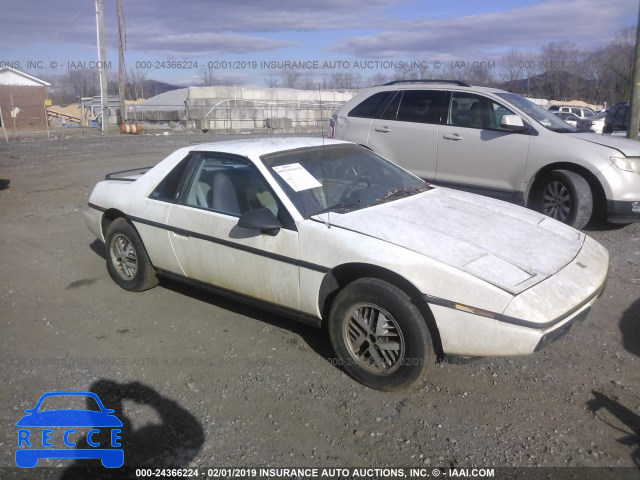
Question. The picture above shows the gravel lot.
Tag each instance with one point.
(202, 381)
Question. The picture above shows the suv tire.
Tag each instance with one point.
(565, 196)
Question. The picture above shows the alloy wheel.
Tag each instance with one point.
(123, 256)
(374, 338)
(556, 201)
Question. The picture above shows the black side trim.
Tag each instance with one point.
(254, 302)
(484, 313)
(237, 246)
(513, 320)
(96, 207)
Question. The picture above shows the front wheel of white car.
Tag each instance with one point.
(379, 335)
(565, 196)
(127, 260)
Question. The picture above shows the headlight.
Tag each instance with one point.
(630, 164)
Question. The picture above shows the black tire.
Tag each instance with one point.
(387, 362)
(127, 260)
(565, 196)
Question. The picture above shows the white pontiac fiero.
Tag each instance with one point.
(327, 231)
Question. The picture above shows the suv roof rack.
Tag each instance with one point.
(455, 82)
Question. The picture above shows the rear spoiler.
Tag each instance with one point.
(114, 175)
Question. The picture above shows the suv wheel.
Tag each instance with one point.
(565, 196)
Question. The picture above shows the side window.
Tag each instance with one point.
(422, 106)
(391, 112)
(228, 185)
(476, 111)
(169, 188)
(371, 107)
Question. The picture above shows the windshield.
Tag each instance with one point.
(68, 402)
(339, 178)
(545, 118)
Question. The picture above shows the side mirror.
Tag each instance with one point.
(512, 123)
(261, 219)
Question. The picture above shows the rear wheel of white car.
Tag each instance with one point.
(565, 196)
(379, 335)
(127, 260)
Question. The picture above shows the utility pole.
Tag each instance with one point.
(121, 70)
(634, 123)
(104, 94)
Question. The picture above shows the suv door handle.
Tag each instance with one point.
(382, 129)
(453, 136)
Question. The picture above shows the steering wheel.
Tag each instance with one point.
(354, 184)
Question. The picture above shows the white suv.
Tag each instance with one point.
(581, 112)
(496, 143)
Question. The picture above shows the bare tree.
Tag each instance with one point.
(82, 83)
(308, 81)
(511, 65)
(617, 64)
(291, 78)
(341, 80)
(137, 78)
(207, 76)
(271, 81)
(378, 78)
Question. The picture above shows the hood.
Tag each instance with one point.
(630, 148)
(508, 246)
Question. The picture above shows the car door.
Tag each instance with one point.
(407, 130)
(212, 248)
(476, 154)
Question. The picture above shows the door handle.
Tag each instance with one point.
(454, 136)
(382, 129)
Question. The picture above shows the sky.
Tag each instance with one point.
(247, 40)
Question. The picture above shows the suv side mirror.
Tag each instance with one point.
(261, 219)
(512, 123)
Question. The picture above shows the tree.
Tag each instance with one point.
(512, 70)
(137, 78)
(207, 76)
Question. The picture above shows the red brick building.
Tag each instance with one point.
(24, 95)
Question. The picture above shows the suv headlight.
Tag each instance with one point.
(630, 164)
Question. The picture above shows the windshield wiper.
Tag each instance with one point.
(403, 192)
(338, 206)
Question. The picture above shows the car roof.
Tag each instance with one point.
(256, 147)
(439, 85)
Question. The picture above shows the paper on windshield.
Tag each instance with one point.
(297, 177)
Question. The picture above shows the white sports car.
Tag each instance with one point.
(327, 231)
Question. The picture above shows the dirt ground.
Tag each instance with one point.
(202, 381)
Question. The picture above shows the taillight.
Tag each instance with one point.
(332, 128)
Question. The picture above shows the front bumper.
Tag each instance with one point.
(534, 318)
(619, 211)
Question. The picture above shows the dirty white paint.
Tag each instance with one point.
(456, 246)
(503, 244)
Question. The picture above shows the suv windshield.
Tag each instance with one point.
(539, 114)
(339, 178)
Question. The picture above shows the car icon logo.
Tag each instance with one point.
(53, 433)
